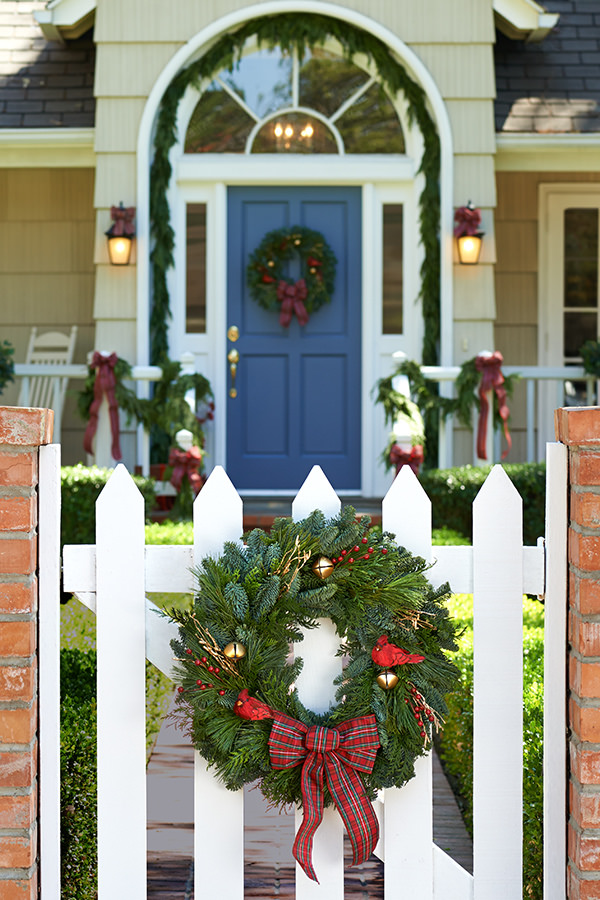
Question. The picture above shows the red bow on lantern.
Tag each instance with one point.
(104, 384)
(186, 462)
(467, 220)
(413, 457)
(123, 220)
(338, 754)
(492, 379)
(291, 297)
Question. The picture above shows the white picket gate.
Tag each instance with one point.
(112, 579)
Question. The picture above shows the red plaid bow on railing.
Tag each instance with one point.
(492, 379)
(104, 384)
(338, 753)
(292, 297)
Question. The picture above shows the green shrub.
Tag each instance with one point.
(80, 488)
(456, 741)
(452, 492)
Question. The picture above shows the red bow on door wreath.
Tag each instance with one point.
(291, 297)
(492, 379)
(104, 384)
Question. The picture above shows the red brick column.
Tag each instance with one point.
(579, 429)
(22, 432)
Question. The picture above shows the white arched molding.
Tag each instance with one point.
(194, 47)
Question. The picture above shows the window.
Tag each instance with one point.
(272, 102)
(195, 304)
(392, 269)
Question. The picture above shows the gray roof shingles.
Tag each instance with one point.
(42, 84)
(553, 86)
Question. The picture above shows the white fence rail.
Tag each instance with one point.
(112, 579)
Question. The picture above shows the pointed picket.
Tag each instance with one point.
(218, 515)
(121, 641)
(315, 493)
(408, 816)
(316, 690)
(498, 688)
(406, 512)
(218, 851)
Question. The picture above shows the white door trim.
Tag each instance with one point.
(553, 200)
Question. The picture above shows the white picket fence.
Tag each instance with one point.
(112, 579)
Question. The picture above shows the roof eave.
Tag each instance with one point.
(66, 20)
(524, 20)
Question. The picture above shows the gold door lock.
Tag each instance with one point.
(233, 333)
(233, 358)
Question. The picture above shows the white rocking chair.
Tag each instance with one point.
(48, 391)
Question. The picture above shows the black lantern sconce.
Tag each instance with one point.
(469, 238)
(120, 234)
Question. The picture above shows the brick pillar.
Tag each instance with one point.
(579, 429)
(22, 432)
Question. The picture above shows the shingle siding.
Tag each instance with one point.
(553, 86)
(43, 84)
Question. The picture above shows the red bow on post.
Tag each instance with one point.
(338, 753)
(186, 462)
(492, 379)
(123, 221)
(291, 297)
(413, 457)
(104, 384)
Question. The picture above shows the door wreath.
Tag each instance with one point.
(271, 290)
(236, 683)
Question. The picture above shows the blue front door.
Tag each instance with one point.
(298, 388)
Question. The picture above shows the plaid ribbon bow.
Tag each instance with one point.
(339, 753)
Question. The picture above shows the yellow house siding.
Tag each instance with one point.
(116, 179)
(474, 179)
(46, 269)
(460, 70)
(431, 21)
(130, 69)
(472, 123)
(117, 124)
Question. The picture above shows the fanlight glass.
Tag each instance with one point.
(244, 100)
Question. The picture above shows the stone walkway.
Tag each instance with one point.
(269, 867)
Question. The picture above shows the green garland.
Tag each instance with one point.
(590, 355)
(294, 31)
(266, 264)
(260, 595)
(165, 413)
(7, 366)
(432, 405)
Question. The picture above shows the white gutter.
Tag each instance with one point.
(522, 152)
(64, 15)
(47, 148)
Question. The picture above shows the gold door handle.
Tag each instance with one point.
(233, 333)
(233, 358)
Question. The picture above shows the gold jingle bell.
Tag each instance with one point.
(323, 567)
(387, 680)
(234, 651)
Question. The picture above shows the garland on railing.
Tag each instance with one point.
(590, 355)
(294, 31)
(165, 413)
(7, 366)
(432, 405)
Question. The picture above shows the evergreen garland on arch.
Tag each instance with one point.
(261, 595)
(294, 31)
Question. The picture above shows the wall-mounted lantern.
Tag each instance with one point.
(120, 234)
(469, 238)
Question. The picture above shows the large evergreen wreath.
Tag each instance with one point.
(268, 285)
(237, 695)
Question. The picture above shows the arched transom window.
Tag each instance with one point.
(274, 102)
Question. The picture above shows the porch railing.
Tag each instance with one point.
(530, 375)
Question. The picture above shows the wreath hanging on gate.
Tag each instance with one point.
(236, 682)
(271, 290)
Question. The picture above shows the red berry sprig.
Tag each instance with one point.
(421, 709)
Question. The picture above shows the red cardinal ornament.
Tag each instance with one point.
(386, 654)
(250, 708)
